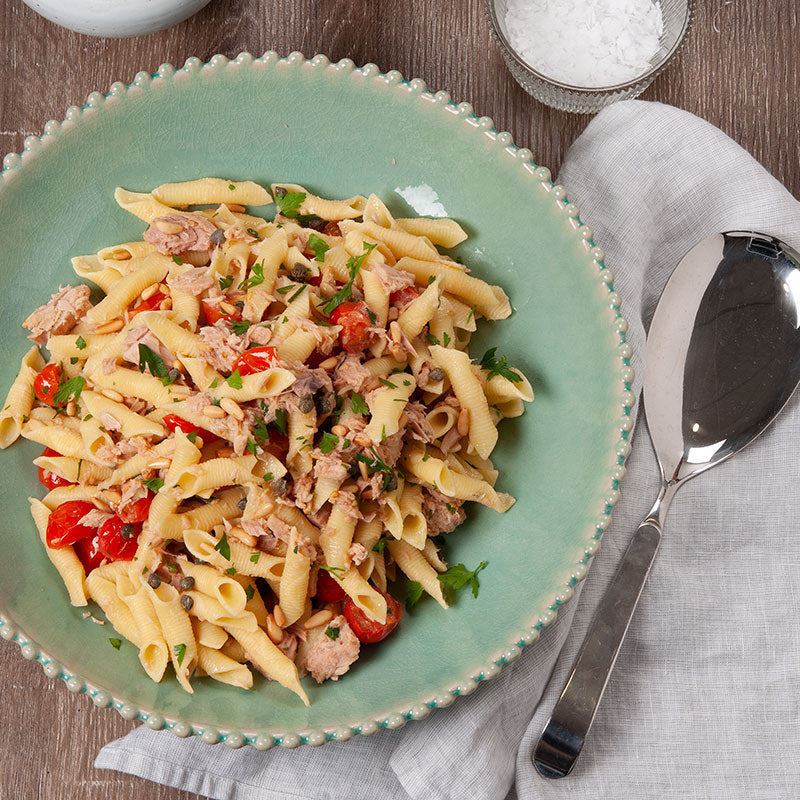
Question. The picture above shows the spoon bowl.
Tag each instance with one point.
(723, 358)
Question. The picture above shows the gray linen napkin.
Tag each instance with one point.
(704, 699)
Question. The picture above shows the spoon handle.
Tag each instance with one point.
(562, 739)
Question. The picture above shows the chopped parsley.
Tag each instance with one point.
(172, 567)
(334, 570)
(281, 420)
(354, 265)
(213, 384)
(178, 260)
(295, 548)
(358, 404)
(234, 380)
(459, 576)
(223, 548)
(319, 246)
(260, 431)
(254, 557)
(74, 360)
(296, 294)
(240, 326)
(158, 369)
(254, 233)
(373, 320)
(471, 313)
(231, 186)
(180, 653)
(387, 383)
(289, 202)
(445, 339)
(426, 456)
(431, 339)
(431, 279)
(383, 432)
(251, 446)
(154, 484)
(329, 441)
(497, 366)
(71, 388)
(256, 276)
(268, 476)
(413, 594)
(192, 437)
(332, 633)
(80, 343)
(379, 546)
(225, 283)
(285, 289)
(230, 571)
(115, 643)
(80, 466)
(249, 593)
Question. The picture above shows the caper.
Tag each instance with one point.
(436, 374)
(187, 602)
(325, 404)
(279, 486)
(239, 304)
(154, 579)
(391, 483)
(218, 237)
(242, 503)
(280, 191)
(299, 272)
(186, 584)
(127, 531)
(305, 404)
(174, 374)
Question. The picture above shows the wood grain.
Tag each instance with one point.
(740, 70)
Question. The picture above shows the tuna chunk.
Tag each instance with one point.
(224, 346)
(195, 234)
(94, 518)
(330, 466)
(358, 554)
(191, 281)
(443, 513)
(392, 280)
(309, 381)
(330, 658)
(59, 314)
(137, 336)
(351, 374)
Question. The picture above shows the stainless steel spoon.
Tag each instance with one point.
(723, 358)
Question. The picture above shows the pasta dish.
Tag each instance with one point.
(262, 427)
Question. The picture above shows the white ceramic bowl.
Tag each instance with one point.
(116, 17)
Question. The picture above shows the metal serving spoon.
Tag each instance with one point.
(723, 358)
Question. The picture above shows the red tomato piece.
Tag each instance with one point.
(256, 359)
(46, 383)
(315, 280)
(50, 479)
(151, 304)
(119, 540)
(136, 511)
(214, 315)
(354, 335)
(89, 553)
(176, 423)
(63, 527)
(402, 297)
(368, 631)
(332, 229)
(328, 590)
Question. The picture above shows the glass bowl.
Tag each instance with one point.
(677, 15)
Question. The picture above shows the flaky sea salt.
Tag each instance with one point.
(586, 42)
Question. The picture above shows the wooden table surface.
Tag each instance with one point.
(740, 70)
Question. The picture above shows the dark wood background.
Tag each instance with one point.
(740, 70)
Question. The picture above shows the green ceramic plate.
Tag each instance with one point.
(340, 131)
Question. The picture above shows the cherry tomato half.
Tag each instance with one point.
(176, 423)
(256, 359)
(137, 511)
(402, 297)
(46, 383)
(328, 590)
(151, 304)
(63, 527)
(50, 479)
(368, 631)
(354, 335)
(119, 540)
(89, 552)
(214, 315)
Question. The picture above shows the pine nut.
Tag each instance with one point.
(329, 363)
(235, 208)
(121, 255)
(280, 617)
(274, 631)
(165, 304)
(168, 227)
(101, 505)
(149, 291)
(159, 463)
(339, 430)
(111, 496)
(163, 288)
(112, 394)
(110, 327)
(72, 408)
(232, 407)
(243, 536)
(33, 424)
(213, 412)
(225, 452)
(227, 308)
(362, 468)
(322, 617)
(462, 426)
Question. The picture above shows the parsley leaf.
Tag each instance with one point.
(445, 339)
(432, 339)
(213, 384)
(71, 388)
(281, 419)
(459, 576)
(251, 446)
(225, 283)
(353, 265)
(319, 246)
(387, 383)
(178, 260)
(115, 643)
(231, 186)
(74, 360)
(80, 343)
(249, 593)
(471, 313)
(154, 484)
(256, 276)
(180, 653)
(334, 570)
(332, 633)
(158, 369)
(240, 326)
(223, 548)
(329, 441)
(296, 294)
(289, 202)
(254, 557)
(260, 431)
(234, 380)
(358, 404)
(230, 571)
(497, 366)
(413, 594)
(379, 546)
(192, 437)
(254, 233)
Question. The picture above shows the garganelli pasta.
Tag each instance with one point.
(260, 424)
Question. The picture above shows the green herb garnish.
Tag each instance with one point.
(71, 388)
(329, 441)
(80, 343)
(225, 283)
(115, 643)
(158, 369)
(254, 557)
(459, 576)
(358, 404)
(497, 366)
(387, 383)
(353, 265)
(256, 276)
(234, 380)
(332, 633)
(223, 548)
(289, 203)
(281, 420)
(180, 653)
(319, 246)
(154, 484)
(178, 260)
(240, 326)
(413, 594)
